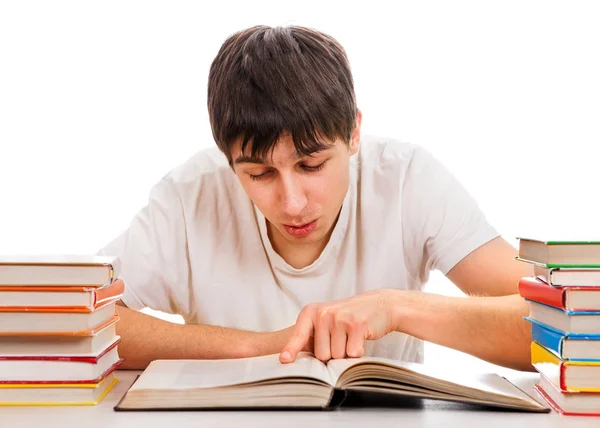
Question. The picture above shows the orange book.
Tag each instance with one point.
(63, 299)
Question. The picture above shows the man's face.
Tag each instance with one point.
(300, 196)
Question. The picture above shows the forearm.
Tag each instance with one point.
(145, 338)
(490, 328)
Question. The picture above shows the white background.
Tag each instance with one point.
(98, 100)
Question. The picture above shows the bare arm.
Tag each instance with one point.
(145, 338)
(491, 270)
(490, 328)
(488, 324)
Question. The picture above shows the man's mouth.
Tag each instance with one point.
(300, 230)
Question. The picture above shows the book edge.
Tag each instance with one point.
(119, 406)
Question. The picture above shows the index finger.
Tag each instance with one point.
(300, 337)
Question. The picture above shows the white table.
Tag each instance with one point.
(429, 414)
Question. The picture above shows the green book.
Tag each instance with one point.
(557, 254)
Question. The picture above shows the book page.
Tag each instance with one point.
(337, 367)
(191, 374)
(408, 370)
(437, 378)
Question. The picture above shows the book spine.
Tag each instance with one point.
(548, 339)
(538, 291)
(543, 273)
(110, 292)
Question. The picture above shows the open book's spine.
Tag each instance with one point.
(338, 396)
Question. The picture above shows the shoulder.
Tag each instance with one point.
(203, 180)
(393, 158)
(206, 162)
(208, 168)
(385, 152)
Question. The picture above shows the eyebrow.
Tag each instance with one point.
(248, 159)
(260, 161)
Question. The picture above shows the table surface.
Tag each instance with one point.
(428, 413)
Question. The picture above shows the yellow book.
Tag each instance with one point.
(48, 394)
(566, 375)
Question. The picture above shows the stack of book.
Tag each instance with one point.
(58, 343)
(564, 298)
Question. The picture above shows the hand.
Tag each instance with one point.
(339, 329)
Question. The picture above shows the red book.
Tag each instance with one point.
(568, 403)
(566, 298)
(60, 369)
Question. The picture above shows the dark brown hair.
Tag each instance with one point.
(266, 81)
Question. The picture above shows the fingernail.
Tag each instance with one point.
(285, 356)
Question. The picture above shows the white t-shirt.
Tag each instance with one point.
(200, 247)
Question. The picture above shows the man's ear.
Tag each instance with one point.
(355, 138)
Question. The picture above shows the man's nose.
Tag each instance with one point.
(293, 197)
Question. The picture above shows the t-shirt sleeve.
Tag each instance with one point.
(442, 223)
(154, 262)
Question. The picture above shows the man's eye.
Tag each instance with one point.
(315, 167)
(259, 176)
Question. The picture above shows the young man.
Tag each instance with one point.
(297, 233)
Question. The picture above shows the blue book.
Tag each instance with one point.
(566, 345)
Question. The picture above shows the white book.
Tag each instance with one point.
(263, 382)
(59, 346)
(575, 277)
(83, 298)
(54, 322)
(58, 270)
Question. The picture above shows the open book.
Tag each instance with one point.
(263, 382)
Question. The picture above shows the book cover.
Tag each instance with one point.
(98, 379)
(84, 332)
(62, 270)
(565, 374)
(535, 290)
(54, 299)
(59, 346)
(564, 276)
(553, 265)
(561, 343)
(540, 390)
(90, 359)
(580, 322)
(568, 403)
(575, 299)
(73, 394)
